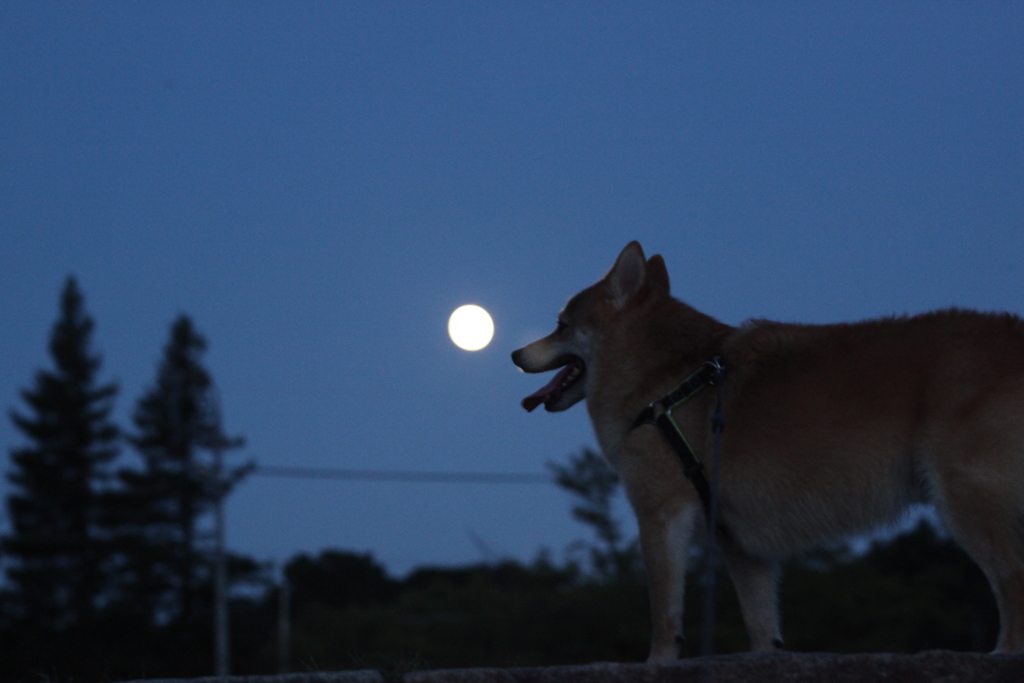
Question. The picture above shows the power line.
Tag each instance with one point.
(403, 475)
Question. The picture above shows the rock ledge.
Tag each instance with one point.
(937, 666)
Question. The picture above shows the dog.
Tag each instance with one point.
(831, 430)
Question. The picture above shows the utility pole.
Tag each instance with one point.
(217, 444)
(220, 587)
(284, 624)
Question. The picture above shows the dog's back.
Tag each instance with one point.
(857, 420)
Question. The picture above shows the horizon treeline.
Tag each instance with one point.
(109, 565)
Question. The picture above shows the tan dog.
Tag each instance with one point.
(831, 430)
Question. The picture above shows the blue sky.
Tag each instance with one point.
(320, 184)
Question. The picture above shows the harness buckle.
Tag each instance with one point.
(717, 371)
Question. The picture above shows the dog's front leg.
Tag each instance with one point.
(664, 538)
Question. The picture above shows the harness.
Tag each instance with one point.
(711, 373)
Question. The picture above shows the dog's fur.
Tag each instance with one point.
(831, 430)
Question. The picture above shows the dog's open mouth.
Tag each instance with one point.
(553, 390)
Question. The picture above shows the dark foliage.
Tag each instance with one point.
(919, 591)
(108, 573)
(338, 580)
(166, 559)
(57, 552)
(593, 486)
(504, 614)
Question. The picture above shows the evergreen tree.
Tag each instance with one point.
(177, 430)
(57, 548)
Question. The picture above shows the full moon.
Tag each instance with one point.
(470, 327)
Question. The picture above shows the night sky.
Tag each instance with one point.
(320, 184)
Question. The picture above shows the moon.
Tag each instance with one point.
(470, 327)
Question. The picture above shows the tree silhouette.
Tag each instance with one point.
(177, 429)
(58, 547)
(593, 485)
(338, 580)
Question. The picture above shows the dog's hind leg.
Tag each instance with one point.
(1010, 598)
(663, 540)
(994, 551)
(756, 583)
(984, 516)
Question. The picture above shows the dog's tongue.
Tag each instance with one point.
(537, 397)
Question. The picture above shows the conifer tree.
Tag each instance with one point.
(177, 428)
(57, 549)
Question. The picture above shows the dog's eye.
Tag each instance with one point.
(561, 327)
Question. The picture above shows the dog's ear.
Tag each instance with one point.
(657, 273)
(627, 276)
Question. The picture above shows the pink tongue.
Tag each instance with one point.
(537, 397)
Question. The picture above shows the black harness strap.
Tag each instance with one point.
(709, 374)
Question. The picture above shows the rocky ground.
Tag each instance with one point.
(926, 667)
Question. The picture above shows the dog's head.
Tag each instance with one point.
(583, 322)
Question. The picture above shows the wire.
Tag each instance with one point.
(403, 476)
